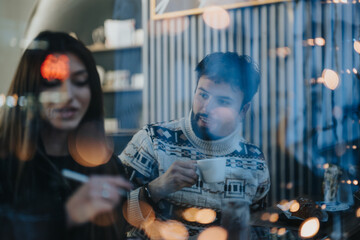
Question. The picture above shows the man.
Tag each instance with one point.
(162, 156)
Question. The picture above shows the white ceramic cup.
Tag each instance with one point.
(212, 170)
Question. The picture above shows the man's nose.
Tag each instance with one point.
(209, 104)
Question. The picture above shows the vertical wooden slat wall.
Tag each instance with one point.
(291, 112)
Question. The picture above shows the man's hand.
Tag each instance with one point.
(99, 195)
(180, 174)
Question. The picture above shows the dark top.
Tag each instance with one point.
(33, 196)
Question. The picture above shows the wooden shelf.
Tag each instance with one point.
(101, 47)
(110, 90)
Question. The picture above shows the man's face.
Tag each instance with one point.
(216, 109)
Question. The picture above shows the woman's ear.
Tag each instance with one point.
(244, 110)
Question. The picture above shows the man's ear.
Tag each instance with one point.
(244, 110)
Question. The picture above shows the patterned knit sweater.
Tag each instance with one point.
(154, 148)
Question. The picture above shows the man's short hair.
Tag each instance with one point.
(241, 72)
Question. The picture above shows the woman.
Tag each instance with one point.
(53, 120)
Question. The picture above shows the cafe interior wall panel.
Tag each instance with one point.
(290, 108)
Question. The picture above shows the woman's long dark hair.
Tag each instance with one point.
(20, 124)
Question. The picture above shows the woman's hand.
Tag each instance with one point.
(180, 174)
(99, 195)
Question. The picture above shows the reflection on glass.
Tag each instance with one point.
(331, 79)
(216, 17)
(309, 228)
(213, 233)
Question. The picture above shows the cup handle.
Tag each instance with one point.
(198, 172)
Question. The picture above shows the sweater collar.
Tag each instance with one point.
(222, 146)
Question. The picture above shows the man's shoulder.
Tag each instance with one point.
(250, 150)
(162, 127)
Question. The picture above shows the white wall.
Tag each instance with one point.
(14, 15)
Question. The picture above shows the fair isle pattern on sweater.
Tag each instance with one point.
(154, 148)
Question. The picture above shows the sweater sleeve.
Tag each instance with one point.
(263, 182)
(139, 159)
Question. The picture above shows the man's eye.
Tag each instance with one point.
(224, 102)
(204, 95)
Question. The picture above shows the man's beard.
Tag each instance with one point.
(201, 132)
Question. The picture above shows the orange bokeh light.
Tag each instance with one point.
(89, 147)
(205, 216)
(173, 230)
(281, 231)
(309, 228)
(295, 206)
(274, 217)
(331, 79)
(213, 233)
(358, 213)
(152, 229)
(216, 17)
(357, 46)
(147, 213)
(190, 214)
(265, 216)
(55, 66)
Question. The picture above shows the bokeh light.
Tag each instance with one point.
(11, 101)
(190, 214)
(331, 79)
(55, 66)
(274, 217)
(309, 228)
(310, 42)
(320, 41)
(89, 147)
(147, 212)
(265, 216)
(216, 17)
(357, 46)
(281, 231)
(205, 216)
(290, 185)
(152, 229)
(358, 213)
(355, 182)
(295, 206)
(284, 205)
(273, 230)
(355, 71)
(22, 101)
(173, 230)
(348, 182)
(105, 219)
(213, 233)
(283, 51)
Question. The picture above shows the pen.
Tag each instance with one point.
(83, 178)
